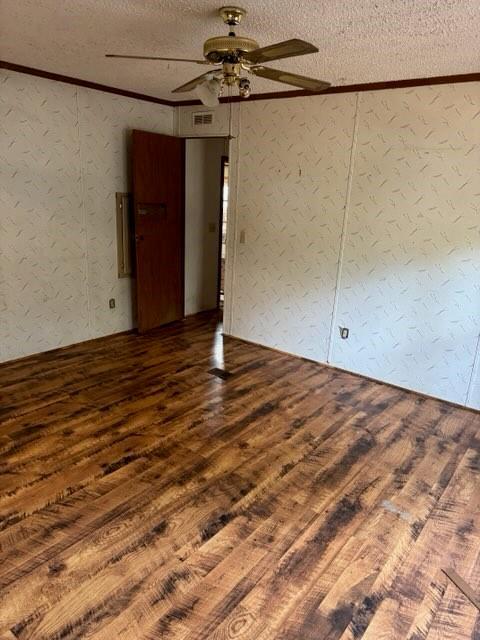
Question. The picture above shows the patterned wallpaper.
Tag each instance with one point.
(377, 193)
(62, 158)
(293, 170)
(105, 123)
(410, 279)
(405, 182)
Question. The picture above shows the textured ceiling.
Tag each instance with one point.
(359, 40)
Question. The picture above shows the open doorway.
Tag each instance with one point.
(206, 212)
(180, 201)
(222, 244)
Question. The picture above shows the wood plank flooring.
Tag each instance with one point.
(143, 497)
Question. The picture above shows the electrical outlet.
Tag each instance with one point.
(111, 303)
(344, 331)
(242, 237)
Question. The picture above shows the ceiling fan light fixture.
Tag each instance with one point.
(244, 87)
(236, 54)
(209, 92)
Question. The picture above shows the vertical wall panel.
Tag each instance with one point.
(293, 168)
(105, 124)
(43, 273)
(63, 156)
(410, 282)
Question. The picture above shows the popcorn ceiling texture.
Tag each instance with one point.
(359, 41)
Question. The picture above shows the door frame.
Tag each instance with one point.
(224, 160)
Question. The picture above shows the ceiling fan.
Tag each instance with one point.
(234, 55)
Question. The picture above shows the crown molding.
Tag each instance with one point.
(41, 73)
(277, 95)
(350, 88)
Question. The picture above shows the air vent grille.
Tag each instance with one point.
(202, 117)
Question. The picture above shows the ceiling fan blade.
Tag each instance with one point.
(115, 55)
(188, 86)
(311, 84)
(286, 49)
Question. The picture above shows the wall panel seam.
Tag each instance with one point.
(232, 224)
(476, 361)
(341, 250)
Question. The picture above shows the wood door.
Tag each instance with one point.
(158, 170)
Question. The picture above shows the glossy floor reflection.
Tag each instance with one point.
(142, 497)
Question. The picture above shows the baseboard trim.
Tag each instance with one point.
(358, 375)
(73, 345)
(207, 313)
(84, 343)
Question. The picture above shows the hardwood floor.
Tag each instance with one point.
(142, 497)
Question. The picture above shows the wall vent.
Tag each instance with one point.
(202, 117)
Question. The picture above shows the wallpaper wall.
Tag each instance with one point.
(293, 168)
(346, 210)
(363, 211)
(410, 278)
(63, 157)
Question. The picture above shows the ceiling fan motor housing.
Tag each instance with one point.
(227, 48)
(231, 15)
